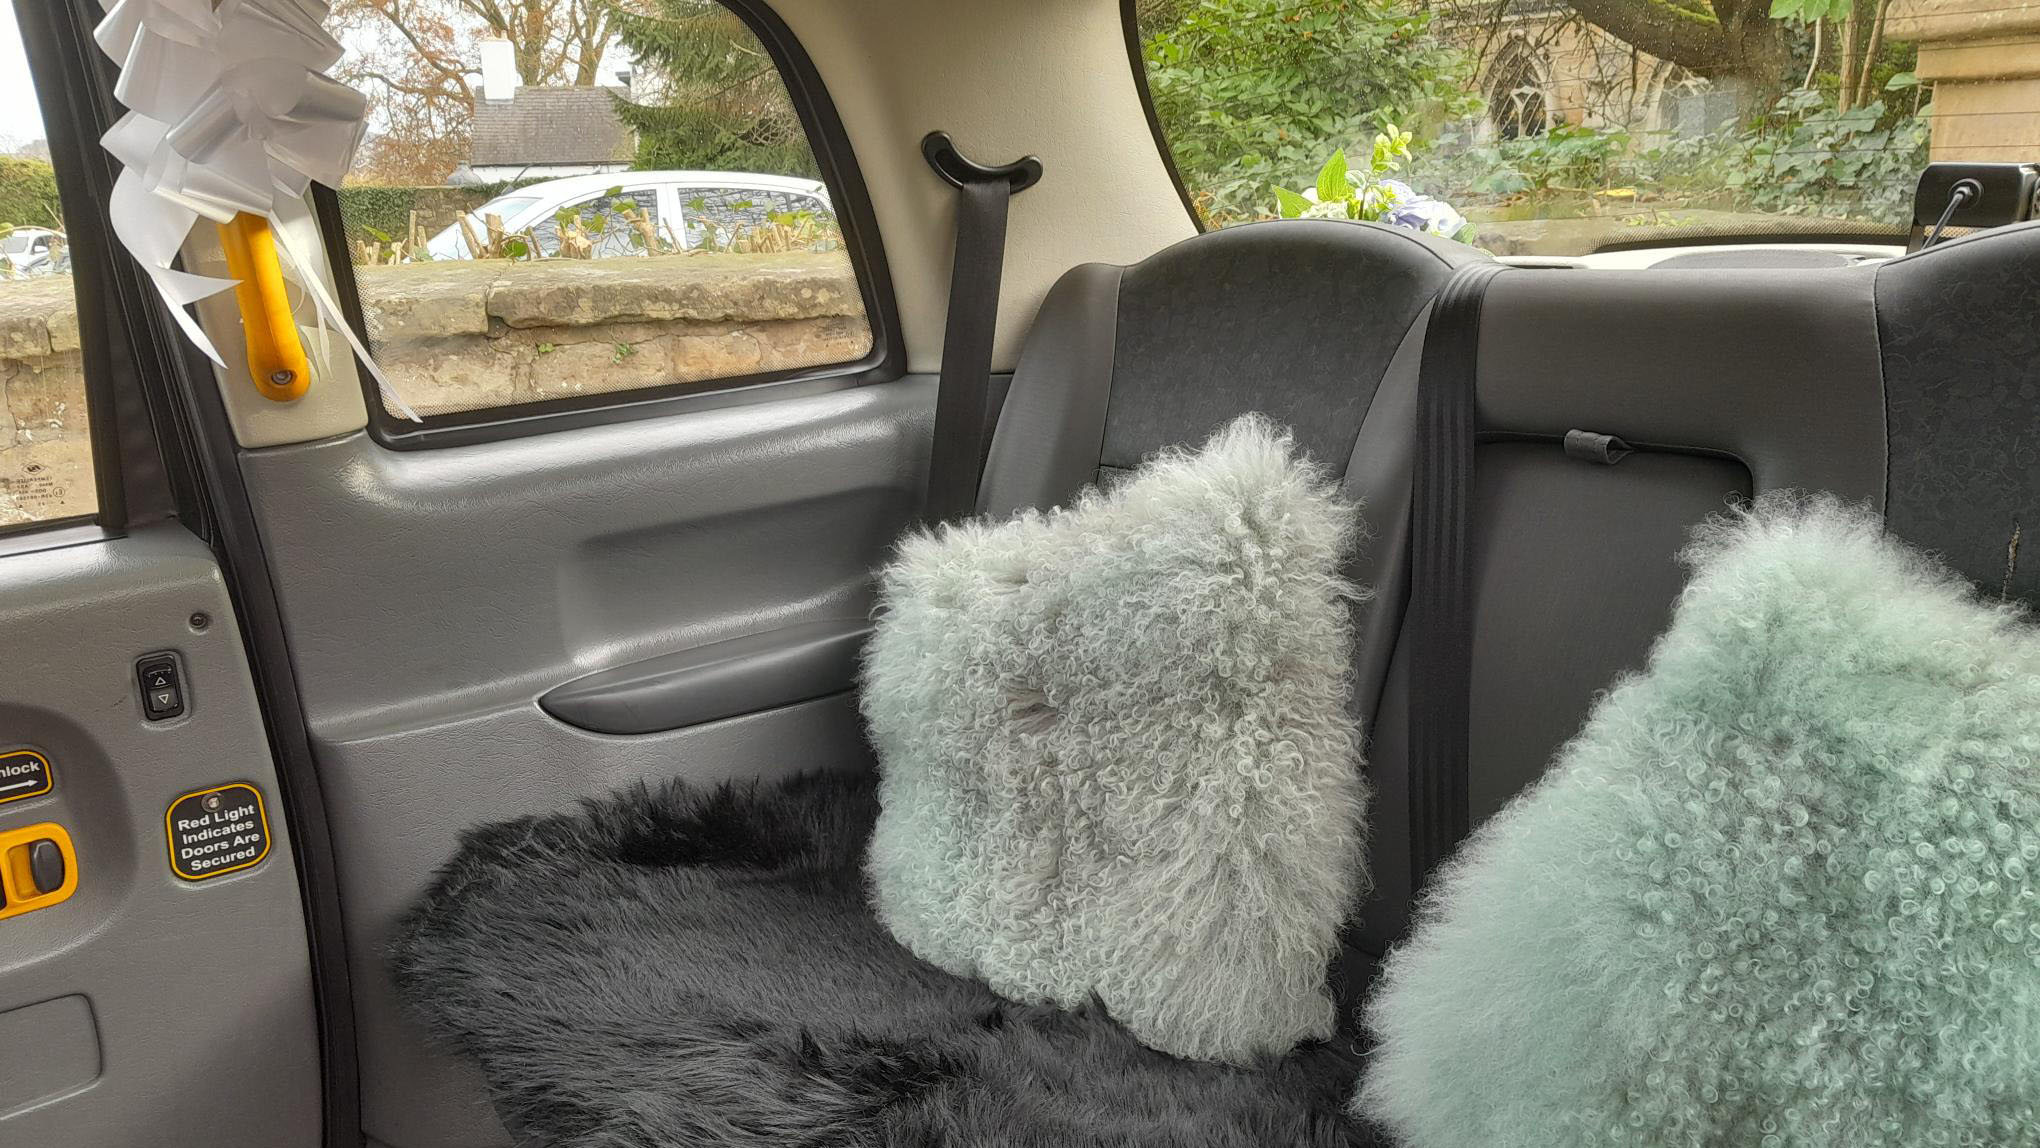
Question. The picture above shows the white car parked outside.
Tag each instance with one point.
(688, 208)
(33, 251)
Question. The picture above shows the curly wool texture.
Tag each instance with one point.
(694, 967)
(1780, 891)
(1115, 751)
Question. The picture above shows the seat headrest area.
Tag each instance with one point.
(1298, 320)
(1962, 388)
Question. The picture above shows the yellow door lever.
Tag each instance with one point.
(276, 355)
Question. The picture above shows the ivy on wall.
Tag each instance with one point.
(28, 193)
(375, 212)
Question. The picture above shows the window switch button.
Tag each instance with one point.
(162, 686)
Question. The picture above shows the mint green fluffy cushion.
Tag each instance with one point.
(1115, 754)
(1780, 892)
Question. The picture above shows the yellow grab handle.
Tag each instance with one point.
(276, 356)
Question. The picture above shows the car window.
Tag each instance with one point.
(505, 206)
(46, 471)
(722, 218)
(1560, 129)
(614, 223)
(477, 293)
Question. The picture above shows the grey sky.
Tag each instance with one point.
(22, 120)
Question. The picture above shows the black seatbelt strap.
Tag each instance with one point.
(1440, 630)
(983, 196)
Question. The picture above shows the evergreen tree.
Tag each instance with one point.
(712, 98)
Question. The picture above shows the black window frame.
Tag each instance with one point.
(1136, 58)
(884, 362)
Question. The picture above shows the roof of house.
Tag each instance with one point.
(550, 126)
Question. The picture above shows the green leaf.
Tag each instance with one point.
(1901, 81)
(1333, 180)
(1288, 204)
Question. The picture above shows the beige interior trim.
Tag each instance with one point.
(1005, 78)
(332, 405)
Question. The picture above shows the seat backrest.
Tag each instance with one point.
(1299, 320)
(1912, 387)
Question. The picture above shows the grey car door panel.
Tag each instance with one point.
(699, 580)
(168, 1000)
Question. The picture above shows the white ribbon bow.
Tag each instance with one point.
(230, 111)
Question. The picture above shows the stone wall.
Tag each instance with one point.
(463, 335)
(45, 445)
(39, 381)
(473, 334)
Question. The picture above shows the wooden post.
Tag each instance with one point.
(474, 241)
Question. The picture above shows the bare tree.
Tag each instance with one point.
(418, 61)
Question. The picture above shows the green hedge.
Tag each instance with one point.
(370, 209)
(28, 193)
(384, 209)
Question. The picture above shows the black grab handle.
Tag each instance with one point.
(957, 171)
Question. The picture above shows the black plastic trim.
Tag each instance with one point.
(854, 214)
(1136, 59)
(1869, 235)
(958, 170)
(169, 415)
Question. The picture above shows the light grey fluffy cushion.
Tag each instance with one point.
(1782, 891)
(1115, 752)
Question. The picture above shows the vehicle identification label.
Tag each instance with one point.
(217, 831)
(25, 773)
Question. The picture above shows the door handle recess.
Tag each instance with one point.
(728, 679)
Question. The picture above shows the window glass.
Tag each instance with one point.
(723, 218)
(45, 443)
(552, 204)
(616, 222)
(1541, 127)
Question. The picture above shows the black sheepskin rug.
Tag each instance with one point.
(694, 968)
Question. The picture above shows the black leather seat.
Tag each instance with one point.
(1302, 320)
(1911, 386)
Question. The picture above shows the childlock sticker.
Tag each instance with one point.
(25, 773)
(217, 831)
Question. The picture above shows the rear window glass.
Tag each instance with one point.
(46, 472)
(576, 200)
(1543, 128)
